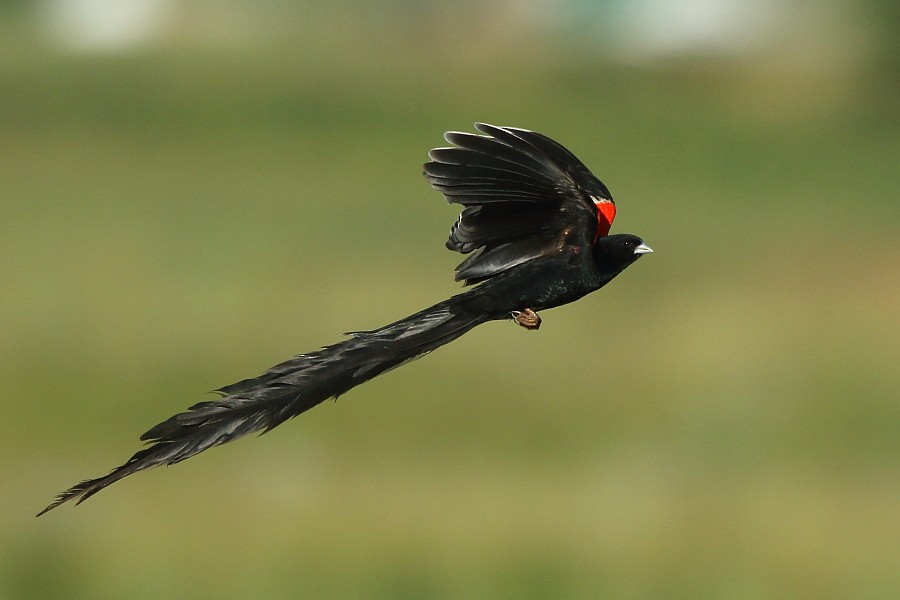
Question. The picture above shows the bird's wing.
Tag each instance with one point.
(523, 195)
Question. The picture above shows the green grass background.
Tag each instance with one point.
(720, 422)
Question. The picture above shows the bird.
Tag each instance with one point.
(534, 229)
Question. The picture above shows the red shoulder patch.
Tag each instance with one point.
(606, 214)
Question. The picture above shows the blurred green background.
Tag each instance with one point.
(194, 191)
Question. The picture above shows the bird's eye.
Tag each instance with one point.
(627, 243)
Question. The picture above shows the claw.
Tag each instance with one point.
(527, 318)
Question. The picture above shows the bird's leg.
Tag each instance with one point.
(527, 318)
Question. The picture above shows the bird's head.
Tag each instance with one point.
(615, 252)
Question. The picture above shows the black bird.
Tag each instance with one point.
(535, 227)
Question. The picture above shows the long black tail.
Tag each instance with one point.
(289, 389)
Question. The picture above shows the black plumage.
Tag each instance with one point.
(533, 227)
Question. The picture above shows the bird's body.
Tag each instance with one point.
(534, 226)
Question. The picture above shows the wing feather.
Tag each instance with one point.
(523, 195)
(574, 167)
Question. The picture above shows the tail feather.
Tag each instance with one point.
(288, 389)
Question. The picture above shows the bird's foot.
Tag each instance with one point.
(527, 318)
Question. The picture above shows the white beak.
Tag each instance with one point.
(643, 249)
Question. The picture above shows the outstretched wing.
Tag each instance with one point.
(523, 195)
